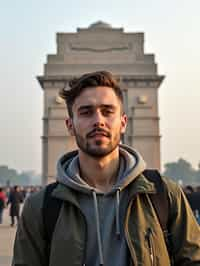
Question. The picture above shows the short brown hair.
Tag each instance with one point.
(94, 79)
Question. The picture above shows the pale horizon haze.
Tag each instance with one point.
(28, 33)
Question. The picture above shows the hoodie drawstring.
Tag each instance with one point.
(98, 225)
(117, 213)
(98, 228)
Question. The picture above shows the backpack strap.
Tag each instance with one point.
(161, 206)
(160, 199)
(50, 212)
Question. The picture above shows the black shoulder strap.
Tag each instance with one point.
(161, 206)
(50, 211)
(160, 199)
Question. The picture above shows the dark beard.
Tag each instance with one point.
(96, 152)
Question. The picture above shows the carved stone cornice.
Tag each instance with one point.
(142, 81)
(51, 80)
(126, 80)
(99, 47)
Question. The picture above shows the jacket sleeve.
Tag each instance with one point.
(29, 245)
(184, 230)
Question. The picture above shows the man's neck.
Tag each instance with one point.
(100, 173)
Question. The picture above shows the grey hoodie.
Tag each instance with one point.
(104, 212)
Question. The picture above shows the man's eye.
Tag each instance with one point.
(107, 112)
(85, 112)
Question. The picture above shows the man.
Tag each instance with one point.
(15, 199)
(107, 216)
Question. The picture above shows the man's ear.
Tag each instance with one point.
(69, 125)
(124, 121)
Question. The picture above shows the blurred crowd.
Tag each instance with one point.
(13, 197)
(193, 196)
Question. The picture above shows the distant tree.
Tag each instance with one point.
(181, 170)
(24, 179)
(12, 177)
(7, 174)
(197, 174)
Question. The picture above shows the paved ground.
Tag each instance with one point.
(7, 235)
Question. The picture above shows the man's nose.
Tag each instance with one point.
(98, 119)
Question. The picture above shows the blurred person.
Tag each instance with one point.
(14, 200)
(2, 203)
(194, 201)
(188, 189)
(198, 188)
(28, 192)
(23, 192)
(7, 191)
(106, 213)
(33, 189)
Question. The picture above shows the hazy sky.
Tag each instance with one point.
(28, 33)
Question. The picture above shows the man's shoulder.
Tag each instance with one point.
(34, 207)
(174, 191)
(154, 175)
(171, 185)
(35, 200)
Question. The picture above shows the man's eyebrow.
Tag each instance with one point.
(111, 106)
(83, 107)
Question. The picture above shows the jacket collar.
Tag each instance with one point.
(139, 185)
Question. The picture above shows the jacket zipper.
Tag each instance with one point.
(150, 245)
(132, 251)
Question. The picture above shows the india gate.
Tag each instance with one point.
(101, 47)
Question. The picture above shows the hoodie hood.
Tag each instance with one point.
(131, 165)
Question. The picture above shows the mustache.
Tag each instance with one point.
(98, 130)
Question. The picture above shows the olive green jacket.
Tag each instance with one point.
(142, 230)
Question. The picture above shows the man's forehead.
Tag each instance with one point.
(96, 97)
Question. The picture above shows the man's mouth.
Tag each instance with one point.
(98, 133)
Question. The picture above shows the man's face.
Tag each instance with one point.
(97, 122)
